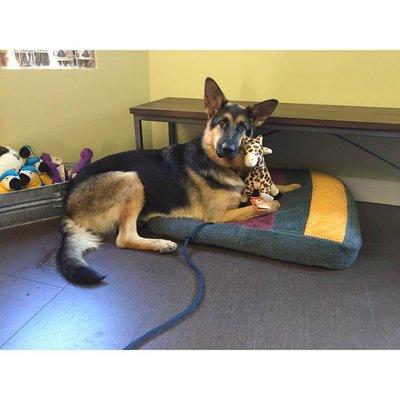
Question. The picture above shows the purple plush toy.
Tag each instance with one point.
(55, 175)
(86, 158)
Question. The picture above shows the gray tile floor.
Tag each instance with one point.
(251, 302)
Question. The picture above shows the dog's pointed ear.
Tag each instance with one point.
(214, 98)
(261, 111)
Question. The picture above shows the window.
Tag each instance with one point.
(47, 59)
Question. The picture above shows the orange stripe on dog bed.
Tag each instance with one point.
(327, 218)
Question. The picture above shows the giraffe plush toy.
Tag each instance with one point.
(259, 177)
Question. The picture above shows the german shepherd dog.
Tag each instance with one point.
(201, 179)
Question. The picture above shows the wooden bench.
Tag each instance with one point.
(340, 121)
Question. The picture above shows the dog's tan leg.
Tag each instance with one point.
(128, 238)
(245, 213)
(136, 242)
(114, 199)
(288, 188)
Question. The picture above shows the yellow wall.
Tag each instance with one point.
(369, 78)
(62, 111)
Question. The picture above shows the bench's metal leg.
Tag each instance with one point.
(138, 132)
(172, 133)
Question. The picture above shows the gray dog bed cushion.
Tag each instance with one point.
(317, 225)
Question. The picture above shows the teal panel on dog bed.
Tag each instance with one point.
(317, 225)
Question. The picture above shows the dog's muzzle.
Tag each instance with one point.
(227, 150)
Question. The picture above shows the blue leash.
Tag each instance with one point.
(201, 284)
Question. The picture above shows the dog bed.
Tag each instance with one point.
(317, 225)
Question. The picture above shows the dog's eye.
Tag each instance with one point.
(242, 127)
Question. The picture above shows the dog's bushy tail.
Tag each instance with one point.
(76, 241)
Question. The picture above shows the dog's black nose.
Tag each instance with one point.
(228, 150)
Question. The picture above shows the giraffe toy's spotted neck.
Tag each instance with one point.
(258, 177)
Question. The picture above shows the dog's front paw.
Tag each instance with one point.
(165, 246)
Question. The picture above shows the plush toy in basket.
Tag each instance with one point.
(9, 181)
(10, 159)
(35, 172)
(56, 167)
(10, 164)
(258, 178)
(23, 170)
(86, 156)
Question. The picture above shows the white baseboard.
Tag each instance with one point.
(373, 191)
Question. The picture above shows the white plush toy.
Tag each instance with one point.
(10, 159)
